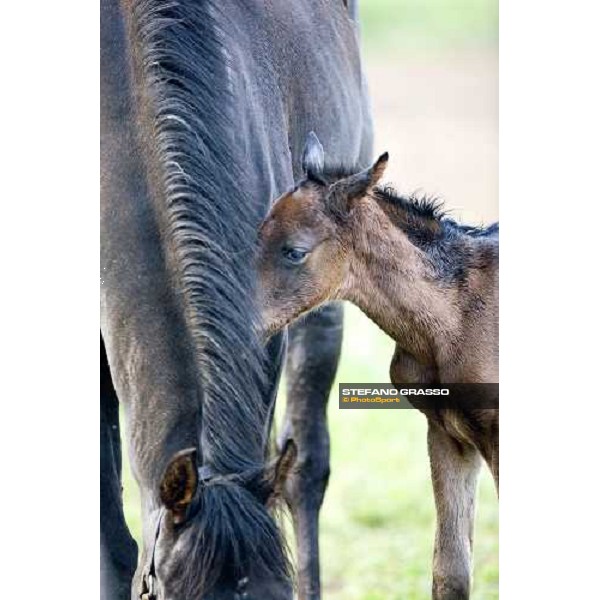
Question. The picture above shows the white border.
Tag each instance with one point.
(49, 321)
(549, 106)
(49, 244)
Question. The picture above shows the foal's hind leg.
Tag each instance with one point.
(118, 550)
(314, 348)
(454, 472)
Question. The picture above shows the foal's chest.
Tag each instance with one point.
(406, 369)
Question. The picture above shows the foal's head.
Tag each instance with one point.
(306, 241)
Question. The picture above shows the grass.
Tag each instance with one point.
(378, 517)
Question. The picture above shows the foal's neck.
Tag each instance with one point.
(397, 284)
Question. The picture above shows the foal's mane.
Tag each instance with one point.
(424, 210)
(452, 248)
(210, 227)
(430, 209)
(428, 225)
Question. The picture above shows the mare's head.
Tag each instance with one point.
(203, 550)
(306, 241)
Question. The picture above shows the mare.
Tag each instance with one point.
(205, 105)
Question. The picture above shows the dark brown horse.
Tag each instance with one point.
(429, 283)
(205, 108)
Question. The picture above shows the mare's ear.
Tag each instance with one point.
(313, 156)
(179, 483)
(358, 185)
(277, 473)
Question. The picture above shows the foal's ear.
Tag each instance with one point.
(358, 185)
(278, 472)
(313, 156)
(179, 483)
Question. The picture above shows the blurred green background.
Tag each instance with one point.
(391, 25)
(432, 70)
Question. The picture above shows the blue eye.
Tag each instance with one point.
(295, 256)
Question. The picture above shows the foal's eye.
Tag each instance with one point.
(295, 256)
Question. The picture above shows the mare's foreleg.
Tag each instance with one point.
(454, 473)
(313, 353)
(118, 550)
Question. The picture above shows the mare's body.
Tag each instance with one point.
(205, 106)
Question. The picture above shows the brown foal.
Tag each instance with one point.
(428, 282)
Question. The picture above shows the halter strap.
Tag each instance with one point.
(150, 577)
(206, 473)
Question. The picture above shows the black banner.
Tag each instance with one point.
(458, 396)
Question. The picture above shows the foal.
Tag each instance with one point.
(429, 283)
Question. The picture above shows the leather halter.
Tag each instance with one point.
(205, 474)
(149, 578)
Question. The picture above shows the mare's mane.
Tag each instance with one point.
(197, 187)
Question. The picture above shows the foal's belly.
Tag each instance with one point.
(476, 427)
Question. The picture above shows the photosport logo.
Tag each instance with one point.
(469, 396)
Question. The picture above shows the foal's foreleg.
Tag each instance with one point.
(454, 472)
(314, 348)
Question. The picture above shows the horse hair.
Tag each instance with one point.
(184, 68)
(453, 248)
(426, 222)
